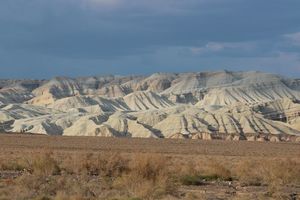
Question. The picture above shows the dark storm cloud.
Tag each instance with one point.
(69, 37)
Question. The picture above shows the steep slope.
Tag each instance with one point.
(112, 91)
(14, 95)
(116, 125)
(146, 100)
(56, 88)
(53, 124)
(283, 105)
(111, 105)
(191, 82)
(127, 125)
(295, 123)
(253, 89)
(157, 82)
(22, 111)
(26, 84)
(68, 103)
(106, 105)
(90, 125)
(61, 87)
(224, 121)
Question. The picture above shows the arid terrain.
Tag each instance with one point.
(201, 105)
(56, 167)
(203, 135)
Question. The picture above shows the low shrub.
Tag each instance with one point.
(18, 165)
(148, 177)
(191, 180)
(45, 165)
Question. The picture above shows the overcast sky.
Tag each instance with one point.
(46, 38)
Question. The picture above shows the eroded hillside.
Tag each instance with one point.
(204, 105)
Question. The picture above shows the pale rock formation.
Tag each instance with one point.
(295, 123)
(252, 138)
(128, 126)
(14, 95)
(146, 100)
(46, 124)
(205, 105)
(89, 125)
(112, 91)
(229, 138)
(238, 138)
(56, 88)
(207, 136)
(197, 136)
(106, 105)
(177, 136)
(157, 82)
(22, 111)
(274, 139)
(261, 139)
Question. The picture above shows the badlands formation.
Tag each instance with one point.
(205, 105)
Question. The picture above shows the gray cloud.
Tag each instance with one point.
(144, 36)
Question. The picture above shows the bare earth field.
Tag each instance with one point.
(56, 167)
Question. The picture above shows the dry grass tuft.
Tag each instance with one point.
(217, 170)
(148, 177)
(273, 173)
(105, 164)
(64, 196)
(270, 172)
(197, 173)
(149, 166)
(248, 173)
(44, 165)
(15, 165)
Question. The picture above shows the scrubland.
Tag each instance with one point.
(70, 168)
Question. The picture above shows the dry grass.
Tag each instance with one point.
(148, 178)
(67, 175)
(92, 176)
(14, 165)
(272, 173)
(198, 173)
(44, 165)
(105, 164)
(140, 176)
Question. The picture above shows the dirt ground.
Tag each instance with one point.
(137, 145)
(226, 156)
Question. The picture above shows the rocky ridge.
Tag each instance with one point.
(205, 105)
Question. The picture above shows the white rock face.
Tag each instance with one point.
(53, 124)
(22, 111)
(106, 105)
(14, 95)
(146, 100)
(208, 105)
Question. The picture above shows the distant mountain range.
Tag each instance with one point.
(203, 105)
